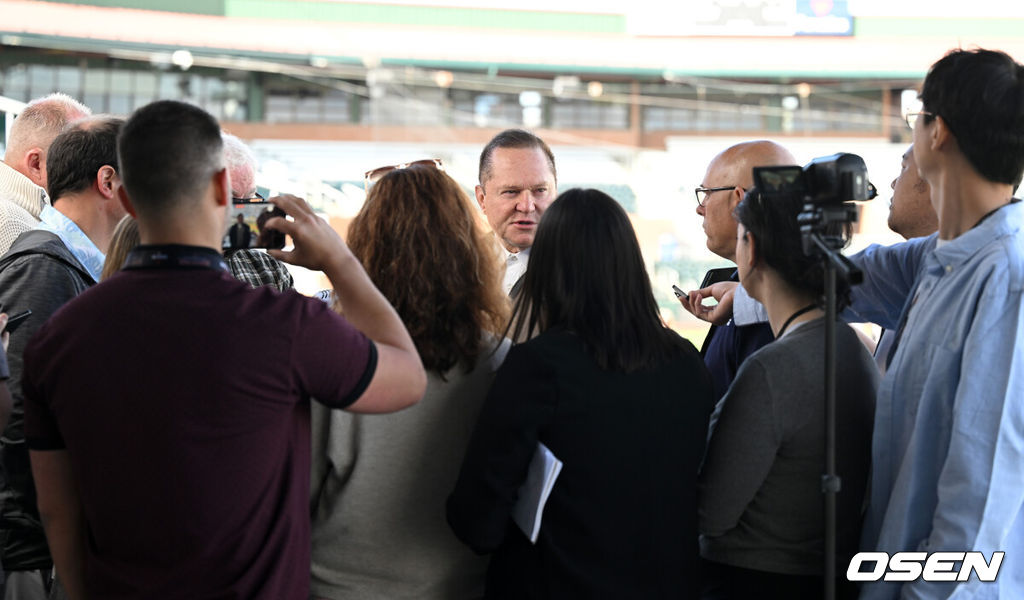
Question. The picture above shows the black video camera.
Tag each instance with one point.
(834, 179)
(827, 186)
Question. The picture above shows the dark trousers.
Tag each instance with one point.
(726, 582)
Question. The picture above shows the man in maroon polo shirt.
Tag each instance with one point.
(167, 409)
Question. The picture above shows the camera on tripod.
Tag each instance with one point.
(826, 180)
(827, 186)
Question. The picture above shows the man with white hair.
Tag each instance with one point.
(23, 169)
(251, 266)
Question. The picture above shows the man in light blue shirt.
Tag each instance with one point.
(44, 268)
(948, 450)
(948, 446)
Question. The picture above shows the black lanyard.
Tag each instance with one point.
(803, 310)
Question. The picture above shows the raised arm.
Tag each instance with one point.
(399, 379)
(890, 273)
(889, 276)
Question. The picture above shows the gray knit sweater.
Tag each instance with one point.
(760, 500)
(378, 494)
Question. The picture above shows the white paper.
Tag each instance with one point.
(533, 494)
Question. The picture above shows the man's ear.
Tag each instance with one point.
(480, 197)
(106, 180)
(126, 202)
(222, 187)
(940, 135)
(735, 197)
(753, 249)
(35, 165)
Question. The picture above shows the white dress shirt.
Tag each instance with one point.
(515, 266)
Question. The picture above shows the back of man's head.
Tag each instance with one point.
(77, 154)
(241, 163)
(741, 159)
(168, 153)
(513, 138)
(980, 96)
(37, 125)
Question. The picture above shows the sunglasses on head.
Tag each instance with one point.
(375, 175)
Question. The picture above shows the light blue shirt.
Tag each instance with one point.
(948, 447)
(74, 238)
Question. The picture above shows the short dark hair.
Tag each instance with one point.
(78, 153)
(513, 138)
(169, 150)
(779, 243)
(980, 96)
(586, 275)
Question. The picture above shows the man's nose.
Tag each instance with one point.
(892, 185)
(527, 203)
(700, 209)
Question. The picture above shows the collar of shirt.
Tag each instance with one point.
(77, 242)
(950, 254)
(22, 191)
(515, 266)
(174, 256)
(511, 257)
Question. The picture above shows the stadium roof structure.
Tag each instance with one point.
(703, 38)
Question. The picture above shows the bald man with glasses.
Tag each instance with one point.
(727, 178)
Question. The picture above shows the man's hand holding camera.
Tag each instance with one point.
(316, 245)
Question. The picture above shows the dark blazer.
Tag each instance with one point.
(621, 518)
(726, 347)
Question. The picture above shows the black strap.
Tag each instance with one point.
(517, 287)
(803, 310)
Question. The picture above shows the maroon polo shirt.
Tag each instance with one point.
(182, 398)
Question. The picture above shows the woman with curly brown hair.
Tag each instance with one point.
(380, 482)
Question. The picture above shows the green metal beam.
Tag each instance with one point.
(427, 16)
(193, 7)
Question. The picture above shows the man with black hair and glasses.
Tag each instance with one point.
(948, 444)
(948, 439)
(728, 177)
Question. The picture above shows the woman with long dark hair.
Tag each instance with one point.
(380, 481)
(761, 504)
(620, 399)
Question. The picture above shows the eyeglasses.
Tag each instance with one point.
(703, 193)
(911, 117)
(256, 197)
(372, 177)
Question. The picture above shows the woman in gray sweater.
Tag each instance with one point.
(760, 501)
(380, 481)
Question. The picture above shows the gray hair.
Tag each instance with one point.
(42, 120)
